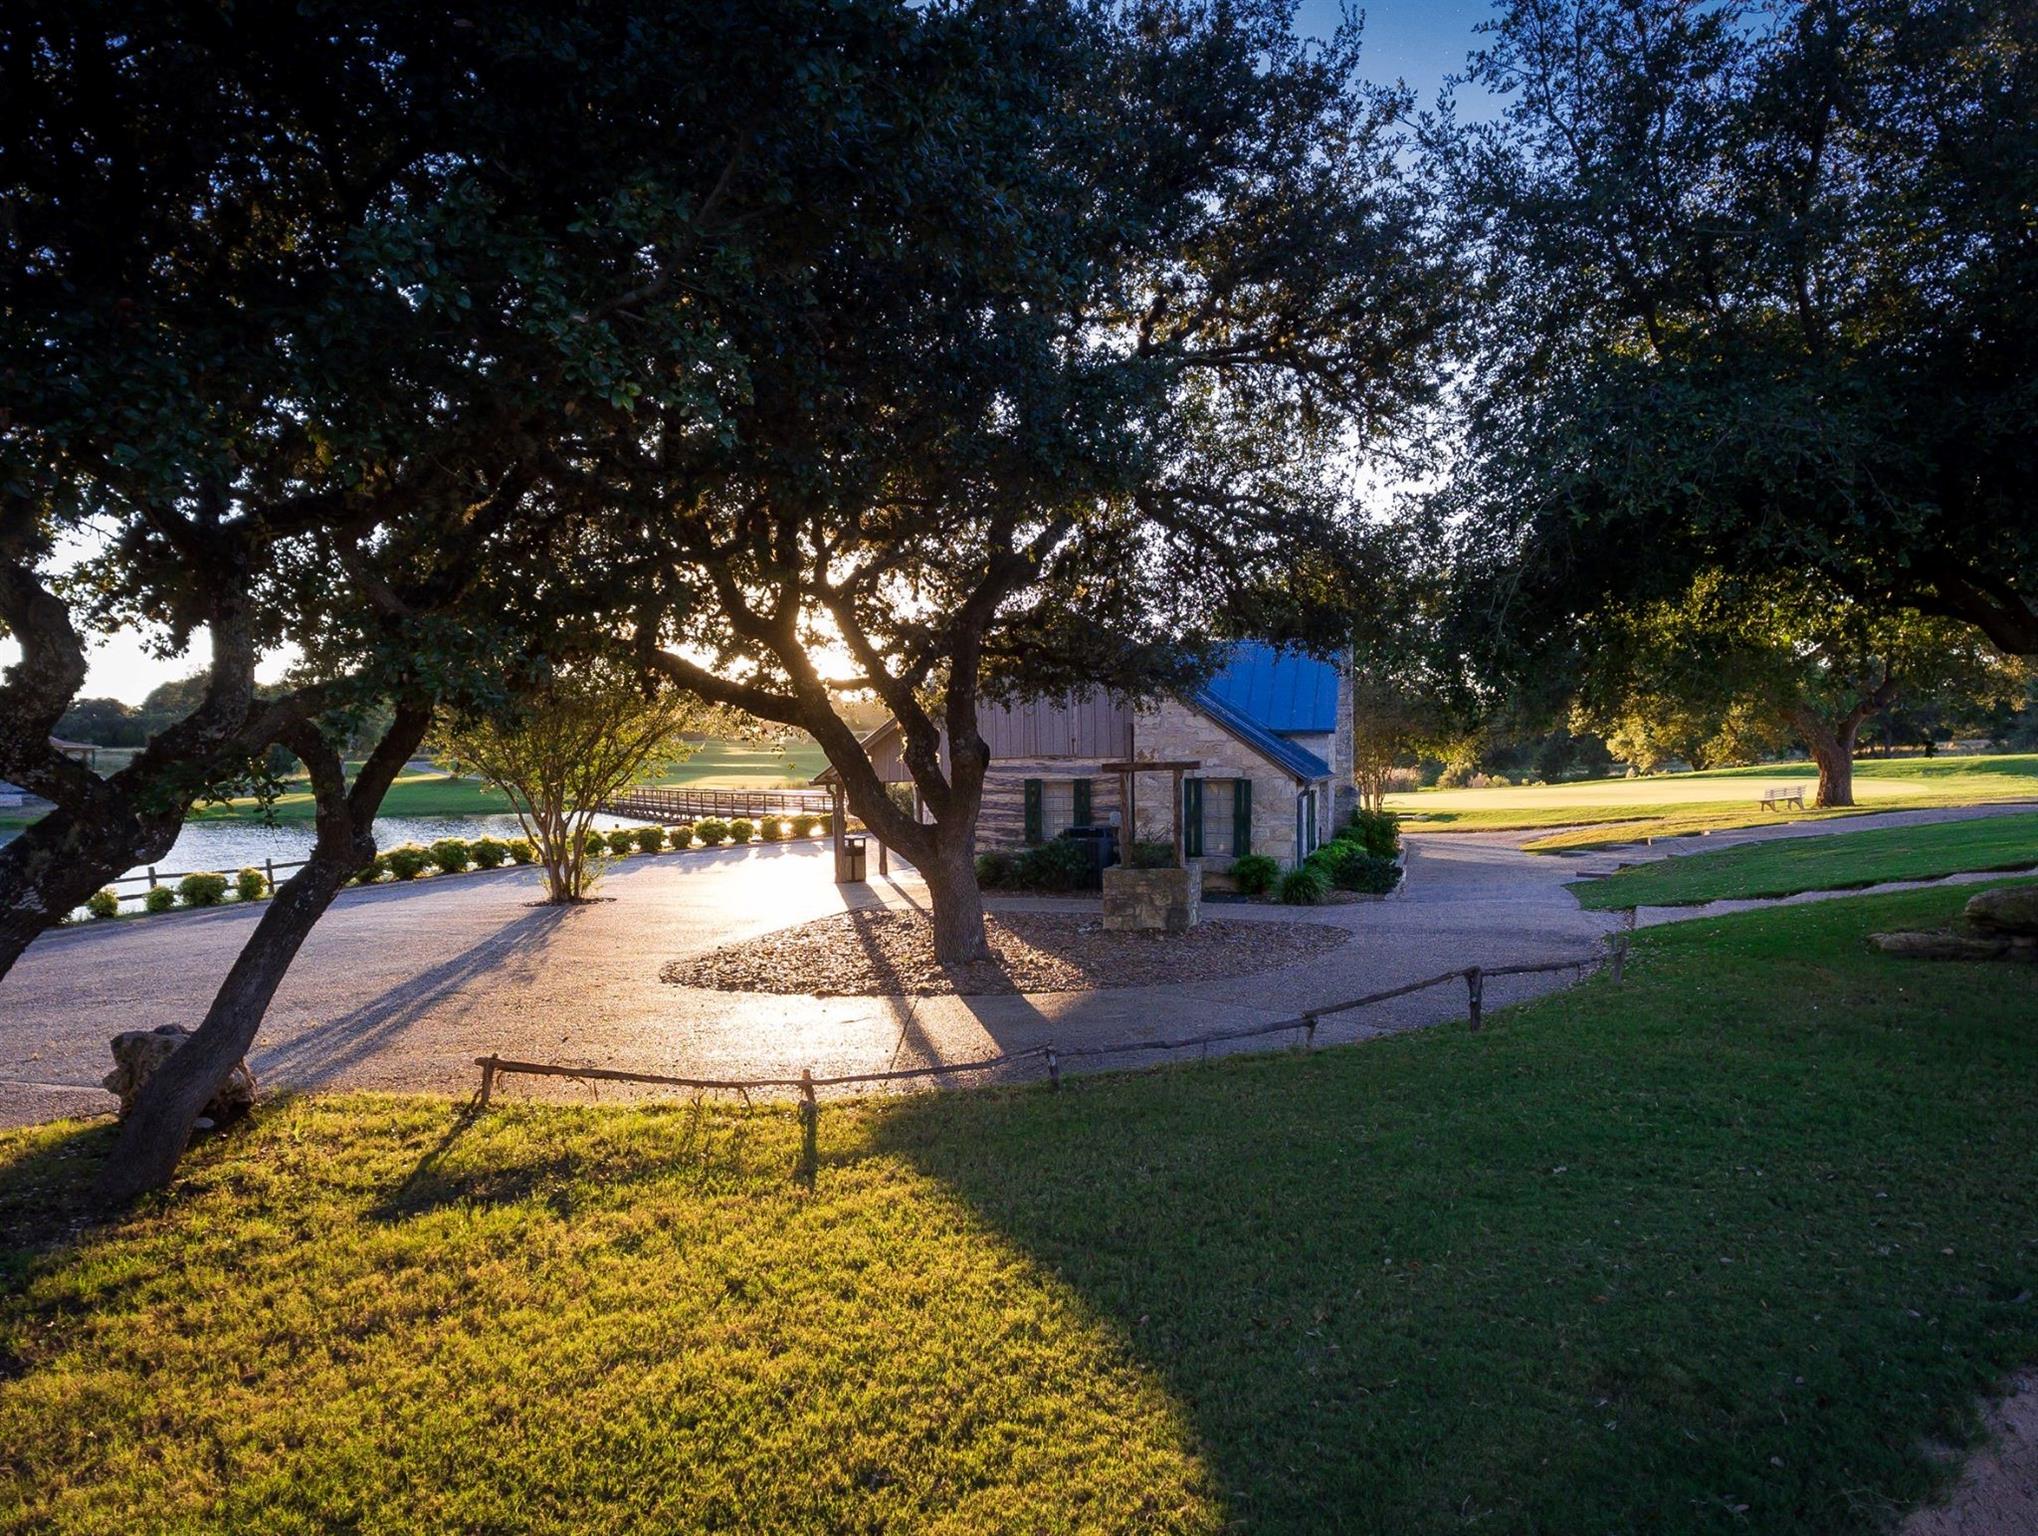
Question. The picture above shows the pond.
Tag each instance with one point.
(226, 846)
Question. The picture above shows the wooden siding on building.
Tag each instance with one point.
(1082, 725)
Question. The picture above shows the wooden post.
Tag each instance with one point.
(1309, 1036)
(1053, 1068)
(884, 860)
(1475, 993)
(835, 823)
(1175, 814)
(487, 1080)
(269, 866)
(152, 877)
(810, 1116)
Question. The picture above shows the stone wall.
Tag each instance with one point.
(1171, 730)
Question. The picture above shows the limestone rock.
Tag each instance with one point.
(1939, 946)
(137, 1053)
(2006, 909)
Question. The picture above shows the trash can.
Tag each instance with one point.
(1101, 845)
(852, 871)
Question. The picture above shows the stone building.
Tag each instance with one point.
(1270, 734)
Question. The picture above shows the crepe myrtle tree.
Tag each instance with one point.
(578, 734)
(299, 301)
(1759, 291)
(1072, 395)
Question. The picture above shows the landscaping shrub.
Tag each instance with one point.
(489, 852)
(994, 869)
(407, 862)
(742, 829)
(824, 823)
(1254, 873)
(523, 851)
(650, 839)
(593, 843)
(712, 830)
(1378, 832)
(159, 899)
(1304, 887)
(804, 824)
(680, 836)
(772, 829)
(372, 871)
(202, 889)
(1349, 867)
(451, 854)
(1057, 866)
(1150, 856)
(103, 903)
(622, 841)
(251, 885)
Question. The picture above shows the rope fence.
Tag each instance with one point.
(1052, 1056)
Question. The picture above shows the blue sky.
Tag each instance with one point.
(1419, 41)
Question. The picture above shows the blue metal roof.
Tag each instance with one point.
(1282, 691)
(1299, 761)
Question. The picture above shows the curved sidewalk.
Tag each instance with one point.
(400, 988)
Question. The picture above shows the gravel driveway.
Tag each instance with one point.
(401, 987)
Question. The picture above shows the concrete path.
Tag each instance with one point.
(401, 987)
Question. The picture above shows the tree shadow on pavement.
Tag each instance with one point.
(317, 1056)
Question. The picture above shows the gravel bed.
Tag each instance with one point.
(891, 953)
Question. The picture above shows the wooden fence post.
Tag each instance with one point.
(152, 877)
(1620, 956)
(1309, 1033)
(487, 1080)
(1475, 992)
(810, 1116)
(1053, 1068)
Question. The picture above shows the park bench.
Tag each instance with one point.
(1788, 795)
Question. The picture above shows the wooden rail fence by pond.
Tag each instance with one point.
(672, 806)
(1052, 1056)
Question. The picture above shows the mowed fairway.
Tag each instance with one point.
(717, 765)
(1687, 1255)
(1604, 811)
(1832, 862)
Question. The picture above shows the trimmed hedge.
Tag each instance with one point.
(711, 830)
(523, 851)
(159, 899)
(773, 829)
(251, 884)
(742, 830)
(1061, 865)
(372, 871)
(680, 836)
(202, 889)
(489, 852)
(103, 903)
(622, 841)
(407, 862)
(450, 854)
(649, 839)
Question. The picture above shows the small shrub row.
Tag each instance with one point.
(1254, 873)
(1057, 866)
(1349, 867)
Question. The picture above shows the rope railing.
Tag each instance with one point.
(1052, 1056)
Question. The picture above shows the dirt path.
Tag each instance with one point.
(1997, 1494)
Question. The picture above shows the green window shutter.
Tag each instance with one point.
(1192, 818)
(1033, 814)
(1082, 807)
(1242, 816)
(1309, 802)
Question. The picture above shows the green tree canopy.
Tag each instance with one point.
(1761, 292)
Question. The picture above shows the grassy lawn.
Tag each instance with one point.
(718, 765)
(1600, 812)
(1830, 862)
(1721, 1250)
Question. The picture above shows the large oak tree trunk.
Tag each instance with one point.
(955, 899)
(158, 1128)
(1832, 749)
(154, 1136)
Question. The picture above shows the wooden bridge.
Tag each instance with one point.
(674, 806)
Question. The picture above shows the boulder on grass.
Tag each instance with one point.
(1940, 945)
(2006, 909)
(137, 1053)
